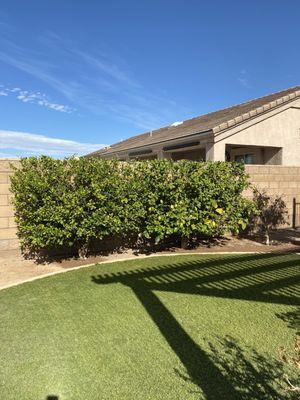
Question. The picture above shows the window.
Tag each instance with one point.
(244, 158)
(192, 155)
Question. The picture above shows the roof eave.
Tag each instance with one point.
(210, 131)
(256, 112)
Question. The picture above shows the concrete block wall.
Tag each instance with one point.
(8, 238)
(277, 180)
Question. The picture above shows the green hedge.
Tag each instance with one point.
(74, 202)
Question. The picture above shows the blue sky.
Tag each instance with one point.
(79, 74)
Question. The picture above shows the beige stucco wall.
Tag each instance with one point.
(8, 239)
(279, 128)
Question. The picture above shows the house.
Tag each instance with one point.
(261, 131)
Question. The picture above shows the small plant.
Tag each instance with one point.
(271, 213)
(291, 361)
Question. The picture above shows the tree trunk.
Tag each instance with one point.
(184, 242)
(83, 249)
(267, 236)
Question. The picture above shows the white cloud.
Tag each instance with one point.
(100, 83)
(107, 67)
(23, 143)
(243, 79)
(41, 100)
(35, 98)
(244, 82)
(15, 89)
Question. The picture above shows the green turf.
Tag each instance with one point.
(180, 327)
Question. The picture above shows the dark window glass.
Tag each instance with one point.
(244, 158)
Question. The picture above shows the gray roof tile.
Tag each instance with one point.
(215, 122)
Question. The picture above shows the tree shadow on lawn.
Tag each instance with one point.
(269, 278)
(253, 376)
(292, 318)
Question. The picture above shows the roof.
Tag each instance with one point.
(213, 122)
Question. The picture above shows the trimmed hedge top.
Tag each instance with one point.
(72, 202)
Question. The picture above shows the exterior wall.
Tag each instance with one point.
(261, 155)
(279, 128)
(216, 152)
(272, 156)
(8, 238)
(277, 180)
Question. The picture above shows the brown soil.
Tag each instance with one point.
(14, 269)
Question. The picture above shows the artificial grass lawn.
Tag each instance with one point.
(180, 327)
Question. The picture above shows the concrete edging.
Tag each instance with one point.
(62, 271)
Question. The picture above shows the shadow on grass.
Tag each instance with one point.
(270, 278)
(292, 318)
(253, 375)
